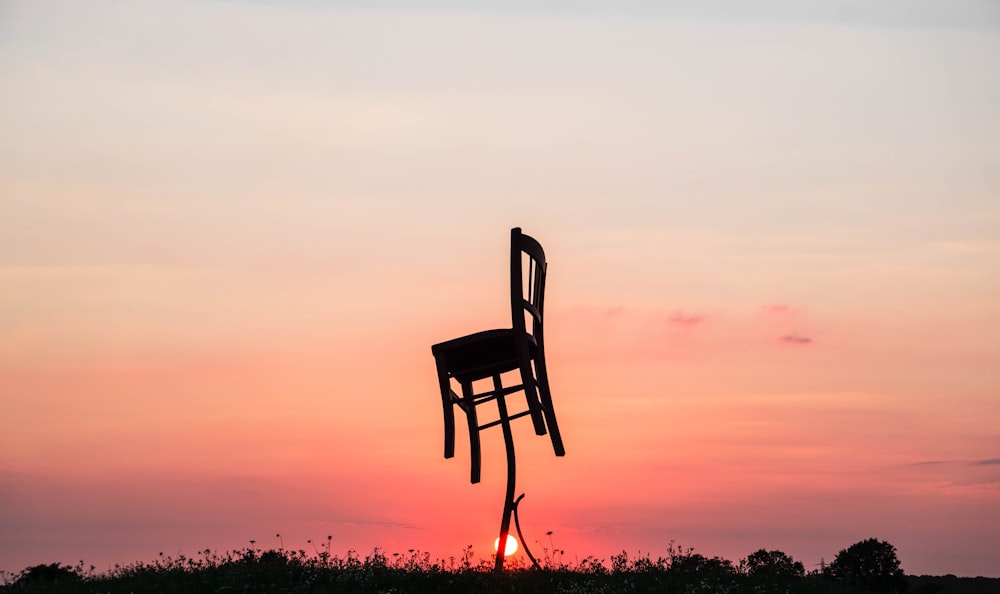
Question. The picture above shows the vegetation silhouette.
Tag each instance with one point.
(870, 564)
(52, 573)
(773, 564)
(680, 571)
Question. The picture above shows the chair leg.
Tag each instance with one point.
(531, 395)
(448, 404)
(508, 439)
(475, 453)
(547, 409)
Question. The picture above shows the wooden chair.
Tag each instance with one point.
(491, 353)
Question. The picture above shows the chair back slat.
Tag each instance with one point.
(527, 283)
(536, 316)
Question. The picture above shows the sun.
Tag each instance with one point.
(509, 549)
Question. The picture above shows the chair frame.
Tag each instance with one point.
(527, 298)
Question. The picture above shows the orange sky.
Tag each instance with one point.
(230, 232)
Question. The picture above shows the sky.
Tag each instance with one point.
(230, 232)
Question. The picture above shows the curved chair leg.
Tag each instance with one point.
(547, 408)
(448, 404)
(475, 453)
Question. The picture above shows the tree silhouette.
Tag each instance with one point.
(51, 573)
(773, 564)
(871, 564)
(697, 564)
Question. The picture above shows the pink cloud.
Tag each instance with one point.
(614, 312)
(681, 319)
(795, 339)
(777, 308)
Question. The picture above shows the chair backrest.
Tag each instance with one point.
(527, 284)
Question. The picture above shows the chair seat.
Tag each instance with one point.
(482, 354)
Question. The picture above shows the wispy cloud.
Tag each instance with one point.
(986, 462)
(682, 319)
(795, 339)
(614, 312)
(777, 308)
(381, 524)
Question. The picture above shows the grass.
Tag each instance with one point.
(273, 571)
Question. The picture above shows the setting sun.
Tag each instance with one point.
(509, 549)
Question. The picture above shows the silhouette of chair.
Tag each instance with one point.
(491, 353)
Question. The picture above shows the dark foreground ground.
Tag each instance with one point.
(291, 571)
